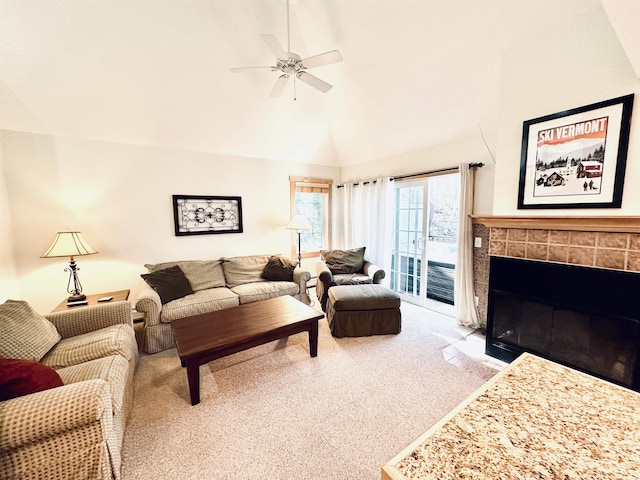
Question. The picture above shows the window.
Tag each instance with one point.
(311, 197)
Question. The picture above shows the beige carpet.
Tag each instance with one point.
(273, 412)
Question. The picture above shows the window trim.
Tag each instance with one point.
(326, 185)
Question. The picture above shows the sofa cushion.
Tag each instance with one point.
(248, 269)
(279, 269)
(203, 301)
(351, 279)
(113, 369)
(114, 340)
(344, 261)
(20, 377)
(170, 283)
(254, 292)
(25, 334)
(202, 274)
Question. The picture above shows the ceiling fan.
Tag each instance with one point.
(291, 64)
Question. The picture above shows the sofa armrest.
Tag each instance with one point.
(79, 320)
(325, 280)
(324, 274)
(301, 277)
(374, 271)
(40, 416)
(148, 302)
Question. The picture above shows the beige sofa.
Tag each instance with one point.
(216, 284)
(74, 430)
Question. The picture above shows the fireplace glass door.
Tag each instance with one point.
(603, 345)
(580, 316)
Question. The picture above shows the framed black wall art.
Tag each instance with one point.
(201, 214)
(576, 158)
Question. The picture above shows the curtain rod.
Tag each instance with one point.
(442, 170)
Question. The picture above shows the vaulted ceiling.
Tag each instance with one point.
(157, 72)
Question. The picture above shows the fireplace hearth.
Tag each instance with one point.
(585, 317)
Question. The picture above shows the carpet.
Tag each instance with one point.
(273, 412)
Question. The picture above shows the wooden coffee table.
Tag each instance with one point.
(206, 337)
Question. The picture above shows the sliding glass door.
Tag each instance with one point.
(425, 238)
(408, 239)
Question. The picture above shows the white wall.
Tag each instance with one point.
(467, 149)
(557, 70)
(9, 287)
(553, 72)
(119, 197)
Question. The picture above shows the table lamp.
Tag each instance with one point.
(299, 222)
(70, 244)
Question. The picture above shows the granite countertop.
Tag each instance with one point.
(535, 420)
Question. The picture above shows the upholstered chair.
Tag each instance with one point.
(66, 390)
(344, 267)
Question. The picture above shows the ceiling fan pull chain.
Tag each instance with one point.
(295, 95)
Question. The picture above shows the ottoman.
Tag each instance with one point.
(361, 310)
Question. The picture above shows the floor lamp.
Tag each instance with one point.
(299, 222)
(70, 244)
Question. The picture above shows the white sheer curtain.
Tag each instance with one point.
(367, 219)
(464, 296)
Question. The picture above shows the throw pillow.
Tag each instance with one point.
(25, 333)
(245, 269)
(170, 283)
(202, 274)
(344, 261)
(279, 269)
(21, 377)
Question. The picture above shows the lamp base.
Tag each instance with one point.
(76, 298)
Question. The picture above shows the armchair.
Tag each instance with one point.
(73, 428)
(344, 267)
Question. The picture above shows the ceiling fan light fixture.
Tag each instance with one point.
(289, 63)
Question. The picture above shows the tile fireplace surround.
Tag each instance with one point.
(604, 242)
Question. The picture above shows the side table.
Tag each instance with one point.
(118, 295)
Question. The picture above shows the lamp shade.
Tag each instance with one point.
(68, 244)
(299, 222)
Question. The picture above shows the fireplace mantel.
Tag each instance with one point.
(589, 224)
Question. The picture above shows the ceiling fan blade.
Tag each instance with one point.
(322, 59)
(279, 86)
(273, 43)
(242, 69)
(315, 82)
